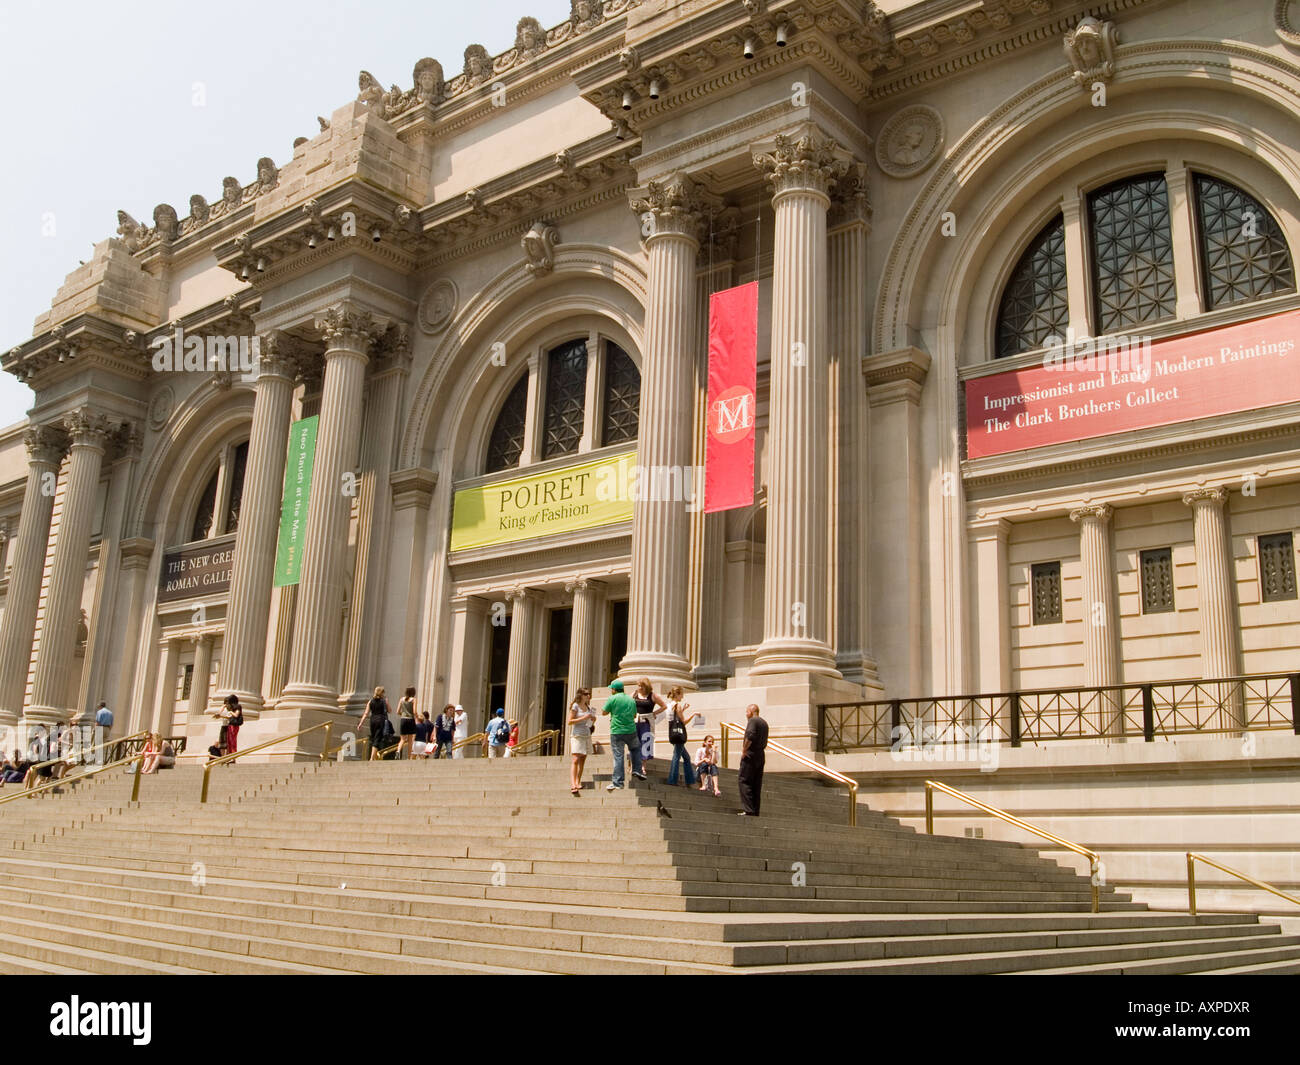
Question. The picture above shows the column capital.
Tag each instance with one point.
(676, 206)
(87, 427)
(806, 160)
(412, 487)
(46, 444)
(279, 355)
(1216, 496)
(583, 584)
(895, 375)
(136, 552)
(519, 593)
(393, 349)
(349, 326)
(851, 200)
(1098, 512)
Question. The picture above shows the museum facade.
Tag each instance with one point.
(425, 404)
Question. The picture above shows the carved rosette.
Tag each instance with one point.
(46, 444)
(677, 206)
(1099, 512)
(345, 325)
(807, 162)
(88, 428)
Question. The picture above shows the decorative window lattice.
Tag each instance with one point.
(238, 466)
(1132, 253)
(1157, 581)
(1243, 253)
(622, 397)
(507, 441)
(1277, 567)
(566, 391)
(202, 527)
(1035, 302)
(1045, 583)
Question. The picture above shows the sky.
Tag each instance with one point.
(129, 104)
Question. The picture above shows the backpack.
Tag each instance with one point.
(499, 726)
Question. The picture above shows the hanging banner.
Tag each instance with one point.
(586, 495)
(732, 401)
(293, 508)
(1087, 389)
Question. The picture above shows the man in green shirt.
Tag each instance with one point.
(622, 733)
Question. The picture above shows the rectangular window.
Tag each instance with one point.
(1276, 567)
(1045, 581)
(1157, 581)
(187, 681)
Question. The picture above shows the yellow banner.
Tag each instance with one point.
(584, 496)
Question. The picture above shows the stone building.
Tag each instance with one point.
(490, 290)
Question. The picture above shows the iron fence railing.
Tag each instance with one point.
(1223, 706)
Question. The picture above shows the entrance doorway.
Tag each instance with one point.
(556, 685)
(499, 662)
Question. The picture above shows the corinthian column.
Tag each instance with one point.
(1214, 583)
(673, 213)
(583, 667)
(244, 647)
(1100, 635)
(45, 447)
(801, 170)
(89, 432)
(318, 628)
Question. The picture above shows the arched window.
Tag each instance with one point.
(507, 441)
(622, 397)
(1243, 253)
(217, 512)
(1132, 253)
(1035, 303)
(566, 391)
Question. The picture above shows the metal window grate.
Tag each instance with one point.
(1277, 567)
(1045, 581)
(1035, 303)
(1244, 255)
(238, 468)
(206, 512)
(566, 392)
(507, 440)
(1157, 570)
(1132, 253)
(622, 397)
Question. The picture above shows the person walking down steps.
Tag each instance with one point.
(622, 734)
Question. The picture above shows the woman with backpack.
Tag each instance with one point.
(380, 727)
(677, 736)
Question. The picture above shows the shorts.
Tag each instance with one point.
(407, 725)
(419, 748)
(497, 752)
(707, 770)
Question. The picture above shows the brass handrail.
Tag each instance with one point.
(478, 737)
(328, 726)
(31, 769)
(1192, 859)
(543, 737)
(803, 760)
(138, 759)
(1093, 857)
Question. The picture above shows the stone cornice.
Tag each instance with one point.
(412, 487)
(888, 367)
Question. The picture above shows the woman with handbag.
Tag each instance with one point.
(677, 736)
(377, 715)
(234, 715)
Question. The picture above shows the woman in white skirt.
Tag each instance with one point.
(462, 731)
(581, 719)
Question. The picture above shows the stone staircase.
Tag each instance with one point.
(493, 867)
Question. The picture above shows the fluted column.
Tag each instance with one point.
(1100, 629)
(467, 670)
(164, 713)
(801, 170)
(672, 215)
(850, 481)
(45, 447)
(89, 432)
(521, 691)
(243, 655)
(584, 670)
(1214, 578)
(199, 679)
(318, 627)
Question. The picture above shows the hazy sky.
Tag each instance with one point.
(103, 111)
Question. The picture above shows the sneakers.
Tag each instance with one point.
(612, 787)
(639, 776)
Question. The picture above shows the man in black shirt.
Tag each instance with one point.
(752, 755)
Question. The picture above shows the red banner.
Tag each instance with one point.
(1087, 389)
(732, 402)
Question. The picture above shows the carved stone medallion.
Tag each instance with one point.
(161, 407)
(437, 306)
(1286, 21)
(910, 141)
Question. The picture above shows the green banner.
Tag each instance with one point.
(293, 509)
(583, 496)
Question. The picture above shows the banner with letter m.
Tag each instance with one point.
(732, 400)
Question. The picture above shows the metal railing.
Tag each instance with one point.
(77, 752)
(803, 760)
(328, 726)
(137, 758)
(477, 738)
(543, 740)
(1094, 860)
(1222, 706)
(1192, 859)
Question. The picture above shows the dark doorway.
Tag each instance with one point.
(617, 635)
(556, 691)
(497, 668)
